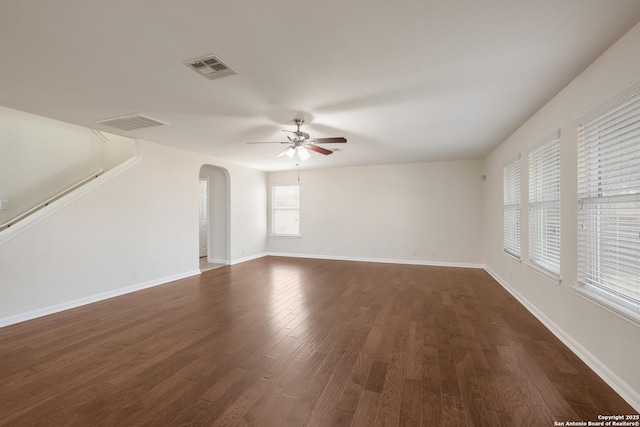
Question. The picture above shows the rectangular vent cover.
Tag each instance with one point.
(131, 122)
(210, 67)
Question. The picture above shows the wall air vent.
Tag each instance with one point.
(131, 122)
(210, 67)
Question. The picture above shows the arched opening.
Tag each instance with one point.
(214, 247)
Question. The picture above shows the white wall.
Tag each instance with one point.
(144, 219)
(40, 157)
(608, 342)
(419, 213)
(117, 149)
(248, 217)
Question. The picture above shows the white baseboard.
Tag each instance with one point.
(615, 382)
(379, 260)
(23, 317)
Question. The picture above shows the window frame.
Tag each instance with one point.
(512, 204)
(544, 207)
(275, 209)
(608, 219)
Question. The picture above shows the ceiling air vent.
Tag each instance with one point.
(210, 67)
(131, 122)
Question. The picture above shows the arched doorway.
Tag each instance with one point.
(214, 248)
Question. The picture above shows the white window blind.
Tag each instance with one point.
(544, 205)
(609, 201)
(285, 214)
(511, 219)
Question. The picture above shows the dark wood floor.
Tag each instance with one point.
(298, 342)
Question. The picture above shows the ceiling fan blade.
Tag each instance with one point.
(270, 142)
(336, 140)
(318, 149)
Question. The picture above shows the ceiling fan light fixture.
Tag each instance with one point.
(303, 153)
(283, 152)
(290, 152)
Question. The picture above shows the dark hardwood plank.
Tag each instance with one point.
(367, 410)
(391, 395)
(377, 376)
(473, 403)
(431, 408)
(340, 418)
(453, 411)
(411, 406)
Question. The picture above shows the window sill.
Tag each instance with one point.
(286, 236)
(545, 273)
(607, 301)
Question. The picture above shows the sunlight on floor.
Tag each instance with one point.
(206, 266)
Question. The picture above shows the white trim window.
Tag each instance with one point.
(609, 203)
(511, 219)
(285, 210)
(544, 206)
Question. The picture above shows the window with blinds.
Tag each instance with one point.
(511, 218)
(544, 206)
(609, 202)
(285, 210)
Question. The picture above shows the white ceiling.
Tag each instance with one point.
(403, 81)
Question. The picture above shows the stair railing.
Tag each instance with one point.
(51, 199)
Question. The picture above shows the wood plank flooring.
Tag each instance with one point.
(299, 342)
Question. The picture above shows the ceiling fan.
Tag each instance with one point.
(300, 143)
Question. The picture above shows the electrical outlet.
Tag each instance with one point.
(4, 205)
(135, 273)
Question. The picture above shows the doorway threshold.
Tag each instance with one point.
(206, 266)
